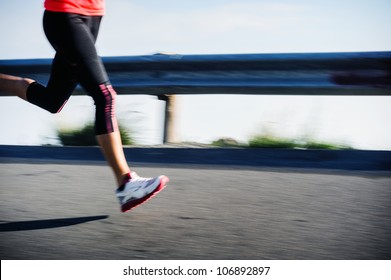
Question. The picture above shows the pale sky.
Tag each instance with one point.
(136, 27)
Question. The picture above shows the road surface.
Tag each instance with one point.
(59, 203)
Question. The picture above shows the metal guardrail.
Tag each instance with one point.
(363, 73)
(166, 75)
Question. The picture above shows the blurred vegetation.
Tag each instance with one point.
(271, 142)
(227, 142)
(262, 141)
(85, 136)
(325, 146)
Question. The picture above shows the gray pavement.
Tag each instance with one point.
(53, 208)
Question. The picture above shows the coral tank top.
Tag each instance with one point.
(83, 7)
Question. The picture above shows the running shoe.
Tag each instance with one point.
(137, 190)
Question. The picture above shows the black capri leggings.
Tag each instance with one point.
(76, 61)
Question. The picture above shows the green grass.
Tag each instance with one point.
(226, 142)
(282, 143)
(325, 146)
(85, 136)
(270, 142)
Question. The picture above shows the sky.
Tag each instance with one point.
(136, 27)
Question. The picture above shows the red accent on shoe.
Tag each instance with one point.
(134, 203)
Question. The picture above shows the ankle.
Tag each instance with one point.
(124, 178)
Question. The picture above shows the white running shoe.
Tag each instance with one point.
(137, 190)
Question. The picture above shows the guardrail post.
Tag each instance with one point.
(169, 133)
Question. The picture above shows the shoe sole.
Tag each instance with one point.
(137, 202)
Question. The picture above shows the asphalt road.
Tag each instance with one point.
(306, 206)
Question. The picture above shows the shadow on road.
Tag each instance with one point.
(46, 224)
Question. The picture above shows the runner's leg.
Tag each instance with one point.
(74, 36)
(14, 86)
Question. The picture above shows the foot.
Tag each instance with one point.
(137, 190)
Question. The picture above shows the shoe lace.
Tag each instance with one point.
(140, 180)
